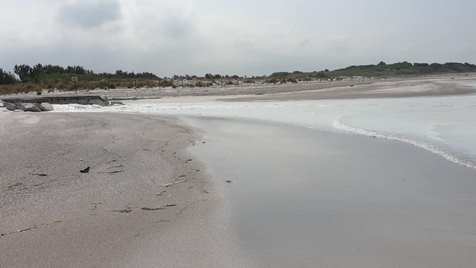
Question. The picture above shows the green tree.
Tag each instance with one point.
(24, 72)
(7, 78)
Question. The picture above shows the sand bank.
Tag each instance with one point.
(443, 86)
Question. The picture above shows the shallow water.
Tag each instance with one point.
(306, 198)
(446, 126)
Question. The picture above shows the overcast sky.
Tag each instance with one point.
(241, 36)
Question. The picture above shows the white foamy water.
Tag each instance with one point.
(420, 144)
(445, 126)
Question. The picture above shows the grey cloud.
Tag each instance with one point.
(90, 14)
(177, 27)
(246, 36)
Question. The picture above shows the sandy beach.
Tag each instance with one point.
(253, 181)
(144, 202)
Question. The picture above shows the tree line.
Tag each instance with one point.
(43, 73)
(55, 76)
(381, 69)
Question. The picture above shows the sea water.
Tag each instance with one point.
(444, 125)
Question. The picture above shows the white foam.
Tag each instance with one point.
(338, 124)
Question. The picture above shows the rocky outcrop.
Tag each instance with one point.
(79, 99)
(29, 107)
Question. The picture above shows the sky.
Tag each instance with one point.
(243, 37)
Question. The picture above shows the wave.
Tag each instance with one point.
(338, 124)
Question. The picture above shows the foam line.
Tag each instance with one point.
(338, 124)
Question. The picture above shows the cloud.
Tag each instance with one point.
(245, 37)
(90, 14)
(177, 27)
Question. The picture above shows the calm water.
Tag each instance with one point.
(307, 198)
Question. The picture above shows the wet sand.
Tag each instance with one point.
(307, 198)
(144, 202)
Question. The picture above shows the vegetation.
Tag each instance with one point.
(50, 77)
(46, 73)
(405, 68)
(53, 77)
(380, 70)
(7, 78)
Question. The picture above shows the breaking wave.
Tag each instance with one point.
(338, 124)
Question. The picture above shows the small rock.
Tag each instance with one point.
(46, 107)
(228, 181)
(10, 106)
(29, 107)
(86, 170)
